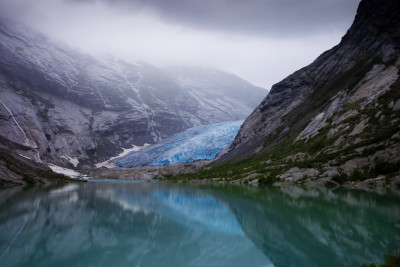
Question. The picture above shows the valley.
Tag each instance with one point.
(62, 107)
(113, 154)
(333, 122)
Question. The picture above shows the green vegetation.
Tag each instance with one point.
(323, 150)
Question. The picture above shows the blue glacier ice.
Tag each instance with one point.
(197, 143)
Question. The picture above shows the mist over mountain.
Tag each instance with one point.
(260, 41)
(135, 133)
(71, 109)
(333, 118)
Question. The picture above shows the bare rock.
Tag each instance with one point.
(396, 105)
(294, 174)
(359, 128)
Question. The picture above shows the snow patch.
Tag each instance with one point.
(26, 157)
(109, 163)
(68, 172)
(74, 161)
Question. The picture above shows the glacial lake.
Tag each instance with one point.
(166, 224)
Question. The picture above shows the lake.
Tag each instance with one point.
(166, 224)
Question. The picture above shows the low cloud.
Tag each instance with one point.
(254, 17)
(261, 41)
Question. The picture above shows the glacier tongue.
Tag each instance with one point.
(197, 143)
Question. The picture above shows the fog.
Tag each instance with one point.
(261, 41)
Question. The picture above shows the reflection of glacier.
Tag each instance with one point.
(198, 143)
(163, 224)
(121, 224)
(202, 212)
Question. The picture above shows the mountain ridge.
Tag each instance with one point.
(74, 110)
(355, 44)
(334, 121)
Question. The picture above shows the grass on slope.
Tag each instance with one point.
(319, 152)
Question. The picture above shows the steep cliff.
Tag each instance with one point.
(368, 53)
(334, 120)
(73, 110)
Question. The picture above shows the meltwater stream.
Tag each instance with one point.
(162, 224)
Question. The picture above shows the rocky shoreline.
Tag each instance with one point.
(145, 172)
(172, 172)
(40, 174)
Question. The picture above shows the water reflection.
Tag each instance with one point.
(157, 224)
(142, 224)
(318, 227)
(193, 209)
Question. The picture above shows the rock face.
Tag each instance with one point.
(223, 88)
(73, 110)
(19, 171)
(342, 107)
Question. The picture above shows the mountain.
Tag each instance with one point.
(197, 143)
(70, 109)
(334, 121)
(228, 91)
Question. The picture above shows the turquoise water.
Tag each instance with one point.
(163, 224)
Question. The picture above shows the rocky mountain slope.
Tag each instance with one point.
(61, 106)
(206, 83)
(16, 170)
(334, 121)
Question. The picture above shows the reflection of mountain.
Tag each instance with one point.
(318, 227)
(161, 224)
(142, 224)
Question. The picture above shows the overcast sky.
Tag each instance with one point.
(262, 41)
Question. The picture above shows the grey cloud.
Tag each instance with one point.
(258, 17)
(262, 41)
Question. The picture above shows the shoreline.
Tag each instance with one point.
(167, 173)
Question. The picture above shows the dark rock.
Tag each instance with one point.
(374, 38)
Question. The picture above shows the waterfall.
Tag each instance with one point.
(27, 142)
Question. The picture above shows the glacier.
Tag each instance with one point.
(197, 143)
